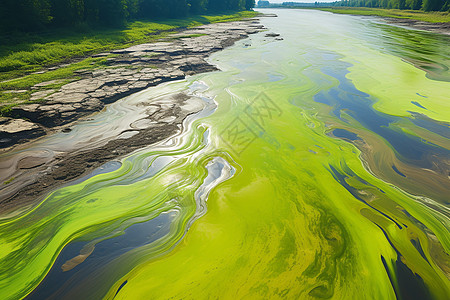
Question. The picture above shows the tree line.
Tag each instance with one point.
(36, 14)
(426, 5)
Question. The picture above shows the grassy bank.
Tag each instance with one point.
(24, 56)
(23, 53)
(432, 17)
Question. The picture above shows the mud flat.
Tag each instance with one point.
(442, 27)
(27, 175)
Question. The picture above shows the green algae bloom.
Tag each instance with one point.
(316, 177)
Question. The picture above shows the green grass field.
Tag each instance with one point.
(22, 55)
(432, 17)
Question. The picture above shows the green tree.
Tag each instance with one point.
(197, 6)
(132, 8)
(66, 12)
(177, 8)
(249, 4)
(26, 15)
(29, 15)
(112, 12)
(217, 5)
(432, 5)
(414, 4)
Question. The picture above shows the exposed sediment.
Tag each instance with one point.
(129, 70)
(440, 27)
(36, 173)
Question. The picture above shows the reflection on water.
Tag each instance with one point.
(345, 97)
(341, 190)
(425, 50)
(58, 282)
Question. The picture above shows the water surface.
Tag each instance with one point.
(319, 169)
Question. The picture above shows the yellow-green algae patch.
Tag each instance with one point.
(396, 85)
(284, 227)
(99, 205)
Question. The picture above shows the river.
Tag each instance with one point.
(318, 168)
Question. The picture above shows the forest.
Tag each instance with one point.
(32, 15)
(426, 5)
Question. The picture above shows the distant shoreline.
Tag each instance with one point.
(429, 21)
(415, 15)
(437, 22)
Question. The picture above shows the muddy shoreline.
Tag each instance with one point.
(27, 179)
(165, 119)
(439, 27)
(442, 28)
(128, 71)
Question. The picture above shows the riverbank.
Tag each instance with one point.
(438, 22)
(22, 53)
(416, 15)
(34, 104)
(26, 176)
(29, 61)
